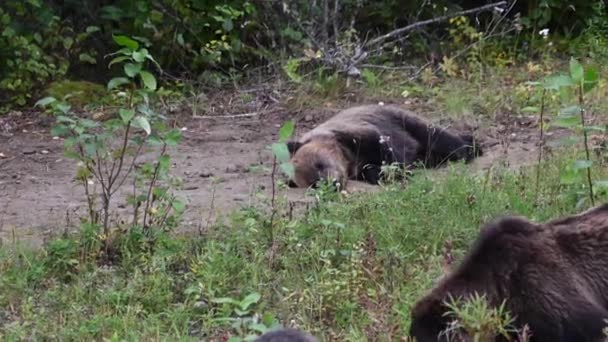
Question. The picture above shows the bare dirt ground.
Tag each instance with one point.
(223, 161)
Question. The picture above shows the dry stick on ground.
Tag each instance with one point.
(398, 32)
(358, 58)
(416, 25)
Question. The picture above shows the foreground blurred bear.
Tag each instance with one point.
(553, 276)
(356, 142)
(286, 335)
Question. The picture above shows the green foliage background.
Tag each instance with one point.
(43, 41)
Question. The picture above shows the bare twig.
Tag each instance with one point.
(209, 214)
(151, 187)
(541, 142)
(245, 115)
(324, 29)
(400, 31)
(585, 142)
(272, 203)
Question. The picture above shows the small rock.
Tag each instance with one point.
(190, 188)
(239, 198)
(206, 174)
(2, 155)
(233, 169)
(44, 152)
(187, 173)
(308, 118)
(29, 151)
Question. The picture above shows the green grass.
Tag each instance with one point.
(351, 268)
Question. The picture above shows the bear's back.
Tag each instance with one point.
(381, 120)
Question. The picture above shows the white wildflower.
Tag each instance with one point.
(544, 33)
(384, 139)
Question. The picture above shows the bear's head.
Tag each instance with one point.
(319, 159)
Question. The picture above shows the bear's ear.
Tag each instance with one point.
(293, 146)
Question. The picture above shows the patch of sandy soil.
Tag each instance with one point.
(223, 161)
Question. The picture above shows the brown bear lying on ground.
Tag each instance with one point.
(553, 276)
(356, 142)
(286, 335)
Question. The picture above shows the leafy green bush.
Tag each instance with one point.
(35, 48)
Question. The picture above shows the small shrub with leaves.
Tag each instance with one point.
(573, 87)
(108, 152)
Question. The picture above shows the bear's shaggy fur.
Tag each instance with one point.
(286, 335)
(356, 142)
(553, 276)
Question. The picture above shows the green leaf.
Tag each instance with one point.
(261, 328)
(286, 131)
(223, 300)
(571, 110)
(164, 162)
(45, 101)
(228, 25)
(591, 78)
(90, 149)
(173, 137)
(86, 58)
(68, 42)
(116, 82)
(118, 60)
(92, 29)
(126, 115)
(143, 123)
(64, 108)
(88, 123)
(132, 69)
(288, 169)
(155, 141)
(576, 71)
(582, 164)
(65, 119)
(178, 206)
(601, 129)
(249, 300)
(530, 109)
(148, 79)
(602, 184)
(138, 56)
(566, 121)
(60, 130)
(280, 151)
(558, 81)
(126, 41)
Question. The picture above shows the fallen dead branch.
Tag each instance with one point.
(337, 59)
